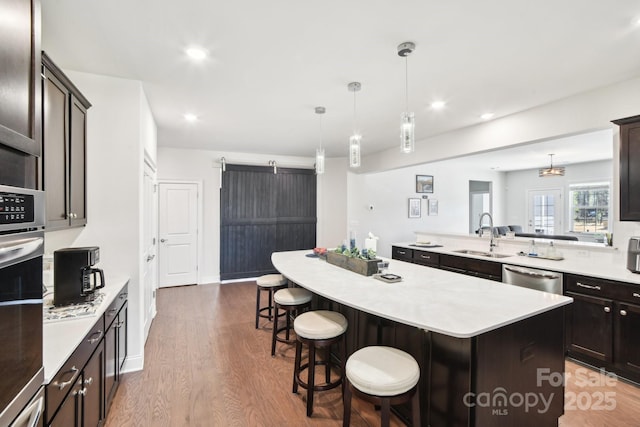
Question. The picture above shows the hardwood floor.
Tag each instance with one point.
(206, 365)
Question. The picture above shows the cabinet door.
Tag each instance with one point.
(627, 343)
(20, 59)
(122, 337)
(77, 163)
(629, 171)
(110, 364)
(590, 327)
(92, 399)
(55, 136)
(70, 412)
(402, 254)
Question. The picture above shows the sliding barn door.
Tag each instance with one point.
(261, 213)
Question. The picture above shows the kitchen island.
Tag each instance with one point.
(490, 353)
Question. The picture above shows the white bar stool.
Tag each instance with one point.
(384, 376)
(290, 300)
(318, 330)
(269, 283)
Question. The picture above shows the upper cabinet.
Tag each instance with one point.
(629, 168)
(64, 124)
(20, 59)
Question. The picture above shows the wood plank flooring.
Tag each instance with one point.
(206, 365)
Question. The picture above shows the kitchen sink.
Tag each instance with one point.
(481, 253)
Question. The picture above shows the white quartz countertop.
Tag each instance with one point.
(60, 338)
(428, 298)
(600, 264)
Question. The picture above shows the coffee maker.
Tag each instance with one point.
(75, 279)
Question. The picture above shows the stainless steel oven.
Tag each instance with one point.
(21, 250)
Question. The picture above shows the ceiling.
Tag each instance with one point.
(270, 63)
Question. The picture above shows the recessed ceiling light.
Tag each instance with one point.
(196, 53)
(438, 105)
(487, 116)
(190, 117)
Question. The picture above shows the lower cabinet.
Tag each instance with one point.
(602, 324)
(80, 393)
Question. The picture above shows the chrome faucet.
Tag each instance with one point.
(492, 244)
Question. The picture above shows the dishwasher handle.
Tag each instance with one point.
(532, 274)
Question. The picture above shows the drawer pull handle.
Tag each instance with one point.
(82, 392)
(123, 295)
(96, 339)
(623, 312)
(402, 252)
(119, 324)
(112, 312)
(89, 381)
(637, 295)
(595, 287)
(607, 309)
(73, 371)
(425, 256)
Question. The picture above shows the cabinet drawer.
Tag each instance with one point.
(63, 381)
(471, 266)
(403, 254)
(111, 312)
(603, 288)
(426, 258)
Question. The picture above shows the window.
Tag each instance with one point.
(589, 207)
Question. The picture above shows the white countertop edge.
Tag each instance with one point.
(545, 302)
(61, 338)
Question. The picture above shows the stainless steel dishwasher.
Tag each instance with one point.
(541, 280)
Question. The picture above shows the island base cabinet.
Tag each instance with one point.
(487, 380)
(627, 343)
(589, 323)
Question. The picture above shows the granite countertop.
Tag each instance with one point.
(603, 264)
(436, 300)
(62, 336)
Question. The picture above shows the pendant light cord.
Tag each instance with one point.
(355, 121)
(406, 80)
(321, 131)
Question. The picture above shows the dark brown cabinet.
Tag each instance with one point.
(602, 324)
(70, 412)
(629, 168)
(430, 259)
(20, 59)
(472, 267)
(64, 122)
(402, 254)
(115, 344)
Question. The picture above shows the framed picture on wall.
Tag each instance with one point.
(415, 206)
(433, 207)
(424, 183)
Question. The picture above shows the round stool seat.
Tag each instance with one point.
(382, 371)
(271, 280)
(320, 324)
(292, 296)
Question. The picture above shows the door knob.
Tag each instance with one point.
(163, 240)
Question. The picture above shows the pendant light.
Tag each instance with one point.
(407, 123)
(320, 151)
(551, 171)
(356, 138)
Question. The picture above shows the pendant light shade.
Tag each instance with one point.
(551, 170)
(356, 138)
(407, 124)
(320, 151)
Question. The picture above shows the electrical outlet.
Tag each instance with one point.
(582, 253)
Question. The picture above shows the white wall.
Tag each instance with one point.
(388, 192)
(119, 126)
(203, 165)
(519, 182)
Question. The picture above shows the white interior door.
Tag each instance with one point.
(178, 215)
(150, 238)
(545, 211)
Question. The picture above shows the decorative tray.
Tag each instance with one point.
(388, 277)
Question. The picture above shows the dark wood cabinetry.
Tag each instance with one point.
(64, 123)
(464, 265)
(602, 324)
(81, 392)
(20, 59)
(629, 168)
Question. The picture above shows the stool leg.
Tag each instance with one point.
(327, 367)
(346, 397)
(257, 305)
(311, 378)
(288, 315)
(385, 412)
(415, 407)
(270, 302)
(274, 332)
(343, 362)
(296, 366)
